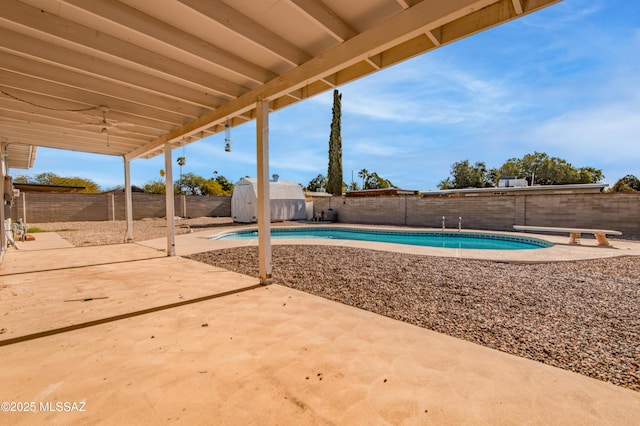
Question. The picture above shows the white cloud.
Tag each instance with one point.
(425, 91)
(604, 137)
(568, 12)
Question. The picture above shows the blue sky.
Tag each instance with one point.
(564, 81)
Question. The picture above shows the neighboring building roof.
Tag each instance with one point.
(38, 187)
(378, 192)
(121, 189)
(317, 194)
(556, 189)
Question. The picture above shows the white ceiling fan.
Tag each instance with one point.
(108, 126)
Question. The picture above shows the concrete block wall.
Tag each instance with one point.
(45, 207)
(476, 212)
(368, 210)
(606, 211)
(619, 211)
(144, 205)
(493, 213)
(208, 206)
(51, 207)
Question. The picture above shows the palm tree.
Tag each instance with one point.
(363, 174)
(181, 161)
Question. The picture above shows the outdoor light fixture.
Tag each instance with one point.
(105, 132)
(227, 137)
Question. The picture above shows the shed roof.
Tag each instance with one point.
(278, 190)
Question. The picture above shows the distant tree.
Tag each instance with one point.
(465, 175)
(334, 173)
(375, 181)
(154, 187)
(545, 170)
(363, 174)
(629, 183)
(227, 187)
(589, 175)
(317, 182)
(353, 186)
(511, 168)
(192, 184)
(48, 178)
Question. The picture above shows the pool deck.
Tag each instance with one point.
(561, 250)
(142, 338)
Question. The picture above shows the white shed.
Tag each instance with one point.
(287, 201)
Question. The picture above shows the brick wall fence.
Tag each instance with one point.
(36, 207)
(619, 211)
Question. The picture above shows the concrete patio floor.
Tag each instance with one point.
(134, 337)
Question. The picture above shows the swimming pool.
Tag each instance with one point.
(445, 239)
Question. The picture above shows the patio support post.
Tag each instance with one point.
(23, 195)
(169, 201)
(3, 164)
(128, 201)
(264, 205)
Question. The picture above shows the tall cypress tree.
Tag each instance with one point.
(334, 175)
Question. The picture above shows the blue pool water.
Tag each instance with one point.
(464, 240)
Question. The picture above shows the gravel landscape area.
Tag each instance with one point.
(582, 316)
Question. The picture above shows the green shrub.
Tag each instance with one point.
(36, 230)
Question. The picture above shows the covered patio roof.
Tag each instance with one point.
(21, 156)
(128, 77)
(136, 78)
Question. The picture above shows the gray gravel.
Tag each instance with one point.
(581, 316)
